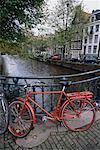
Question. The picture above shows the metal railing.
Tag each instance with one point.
(80, 82)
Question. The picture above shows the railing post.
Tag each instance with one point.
(42, 97)
(98, 92)
(51, 97)
(34, 98)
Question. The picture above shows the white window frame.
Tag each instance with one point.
(96, 38)
(94, 52)
(89, 49)
(96, 28)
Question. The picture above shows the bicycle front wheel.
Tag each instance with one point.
(3, 114)
(20, 121)
(78, 115)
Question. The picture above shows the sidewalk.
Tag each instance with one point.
(57, 139)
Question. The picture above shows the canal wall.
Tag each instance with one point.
(76, 66)
(81, 67)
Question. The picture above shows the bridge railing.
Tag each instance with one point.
(84, 81)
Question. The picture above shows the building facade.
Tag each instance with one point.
(76, 47)
(73, 49)
(91, 36)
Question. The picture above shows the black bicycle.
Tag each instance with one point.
(4, 112)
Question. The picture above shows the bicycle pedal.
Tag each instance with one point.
(44, 119)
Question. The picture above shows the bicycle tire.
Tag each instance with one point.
(20, 125)
(4, 114)
(78, 110)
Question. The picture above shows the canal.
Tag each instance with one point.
(15, 66)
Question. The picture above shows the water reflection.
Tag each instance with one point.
(45, 69)
(15, 66)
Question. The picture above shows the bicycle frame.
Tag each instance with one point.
(56, 114)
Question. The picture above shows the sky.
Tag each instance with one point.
(90, 5)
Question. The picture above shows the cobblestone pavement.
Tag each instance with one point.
(88, 140)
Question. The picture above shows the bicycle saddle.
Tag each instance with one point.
(64, 81)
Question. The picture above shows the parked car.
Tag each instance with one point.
(75, 60)
(56, 57)
(90, 59)
(98, 60)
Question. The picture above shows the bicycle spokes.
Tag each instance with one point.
(20, 119)
(78, 118)
(3, 115)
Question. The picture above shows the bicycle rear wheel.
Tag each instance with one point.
(78, 115)
(20, 120)
(4, 114)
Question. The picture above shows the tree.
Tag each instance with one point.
(80, 19)
(68, 20)
(10, 48)
(16, 15)
(75, 30)
(60, 19)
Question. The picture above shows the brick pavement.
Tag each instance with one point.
(64, 140)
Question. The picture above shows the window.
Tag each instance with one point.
(94, 49)
(97, 16)
(80, 44)
(86, 30)
(91, 30)
(84, 49)
(92, 19)
(97, 28)
(90, 38)
(96, 39)
(72, 45)
(89, 49)
(85, 40)
(76, 45)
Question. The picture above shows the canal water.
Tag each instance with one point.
(15, 66)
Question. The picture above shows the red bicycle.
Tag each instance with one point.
(76, 112)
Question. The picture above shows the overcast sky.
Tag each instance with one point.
(89, 5)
